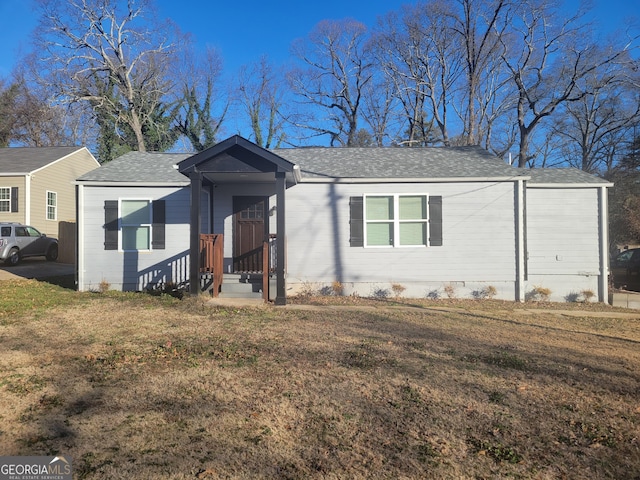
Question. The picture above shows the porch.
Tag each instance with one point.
(233, 173)
(212, 275)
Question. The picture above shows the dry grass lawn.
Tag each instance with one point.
(134, 386)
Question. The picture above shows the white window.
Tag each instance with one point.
(135, 224)
(52, 205)
(5, 199)
(396, 220)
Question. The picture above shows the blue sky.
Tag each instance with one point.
(244, 30)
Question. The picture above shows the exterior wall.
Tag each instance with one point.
(478, 248)
(20, 215)
(563, 242)
(58, 177)
(134, 270)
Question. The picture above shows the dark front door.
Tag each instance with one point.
(249, 231)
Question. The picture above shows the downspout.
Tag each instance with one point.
(80, 238)
(520, 244)
(603, 290)
(27, 199)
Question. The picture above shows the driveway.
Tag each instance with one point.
(35, 268)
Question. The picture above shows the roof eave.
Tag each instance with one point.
(569, 185)
(412, 179)
(115, 183)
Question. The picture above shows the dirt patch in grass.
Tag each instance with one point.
(149, 387)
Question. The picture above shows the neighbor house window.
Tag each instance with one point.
(52, 205)
(5, 199)
(135, 222)
(395, 220)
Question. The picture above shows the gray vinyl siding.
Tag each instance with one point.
(563, 231)
(478, 237)
(135, 270)
(563, 241)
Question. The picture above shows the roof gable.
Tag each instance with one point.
(23, 160)
(236, 154)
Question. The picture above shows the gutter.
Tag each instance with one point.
(358, 180)
(569, 185)
(97, 183)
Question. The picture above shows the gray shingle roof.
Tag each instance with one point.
(20, 160)
(562, 175)
(348, 162)
(371, 162)
(142, 167)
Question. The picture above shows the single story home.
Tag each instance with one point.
(426, 222)
(37, 184)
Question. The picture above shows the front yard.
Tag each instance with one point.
(135, 386)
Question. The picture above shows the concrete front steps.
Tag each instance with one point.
(241, 285)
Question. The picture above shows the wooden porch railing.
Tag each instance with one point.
(268, 263)
(212, 258)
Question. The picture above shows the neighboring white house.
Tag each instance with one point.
(424, 218)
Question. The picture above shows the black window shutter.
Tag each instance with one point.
(14, 199)
(111, 225)
(356, 238)
(157, 240)
(435, 221)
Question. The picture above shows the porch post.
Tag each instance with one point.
(281, 296)
(194, 245)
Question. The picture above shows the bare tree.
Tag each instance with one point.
(479, 28)
(338, 68)
(596, 123)
(418, 53)
(8, 96)
(27, 118)
(378, 112)
(262, 99)
(111, 55)
(547, 59)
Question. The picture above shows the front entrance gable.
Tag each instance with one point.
(238, 161)
(237, 155)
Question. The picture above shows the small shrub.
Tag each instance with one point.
(587, 295)
(486, 293)
(337, 287)
(450, 290)
(308, 290)
(397, 289)
(104, 286)
(539, 294)
(167, 288)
